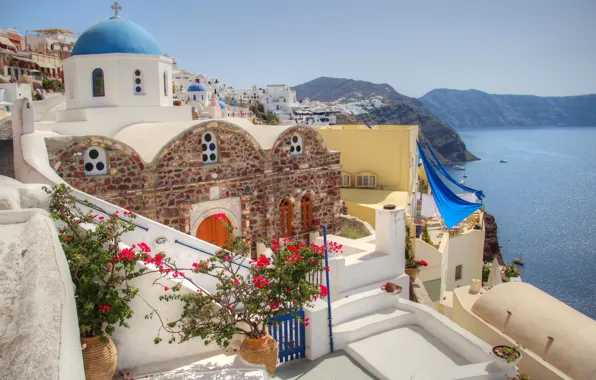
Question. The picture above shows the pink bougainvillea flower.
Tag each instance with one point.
(260, 282)
(236, 281)
(323, 290)
(306, 324)
(314, 298)
(219, 215)
(263, 261)
(165, 288)
(100, 218)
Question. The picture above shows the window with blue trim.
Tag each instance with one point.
(98, 83)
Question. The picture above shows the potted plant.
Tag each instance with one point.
(413, 267)
(100, 271)
(247, 304)
(508, 354)
(426, 236)
(511, 271)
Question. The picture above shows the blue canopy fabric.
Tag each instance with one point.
(446, 174)
(453, 209)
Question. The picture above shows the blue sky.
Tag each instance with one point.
(540, 47)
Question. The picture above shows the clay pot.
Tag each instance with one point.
(413, 273)
(260, 351)
(503, 359)
(99, 358)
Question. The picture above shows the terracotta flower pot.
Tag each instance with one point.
(99, 358)
(413, 273)
(260, 351)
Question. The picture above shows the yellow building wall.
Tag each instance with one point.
(388, 151)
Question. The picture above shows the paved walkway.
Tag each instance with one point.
(335, 366)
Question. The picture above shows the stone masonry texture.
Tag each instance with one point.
(165, 189)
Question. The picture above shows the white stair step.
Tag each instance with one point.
(369, 325)
(361, 304)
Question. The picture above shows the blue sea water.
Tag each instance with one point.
(544, 203)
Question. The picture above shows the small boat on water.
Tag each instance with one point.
(518, 261)
(457, 167)
(503, 161)
(465, 176)
(462, 182)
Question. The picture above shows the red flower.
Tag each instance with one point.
(275, 247)
(306, 324)
(301, 245)
(263, 261)
(103, 308)
(314, 298)
(274, 305)
(260, 282)
(324, 291)
(144, 247)
(127, 254)
(67, 239)
(293, 248)
(165, 288)
(219, 215)
(100, 218)
(236, 281)
(327, 268)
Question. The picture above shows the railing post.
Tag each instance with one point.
(329, 318)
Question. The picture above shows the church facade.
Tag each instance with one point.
(116, 135)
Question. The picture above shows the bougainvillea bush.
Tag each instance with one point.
(99, 267)
(246, 304)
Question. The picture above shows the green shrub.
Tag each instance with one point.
(350, 232)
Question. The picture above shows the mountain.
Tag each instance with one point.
(381, 104)
(473, 108)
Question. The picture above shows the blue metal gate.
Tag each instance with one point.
(290, 336)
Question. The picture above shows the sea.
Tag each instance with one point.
(544, 203)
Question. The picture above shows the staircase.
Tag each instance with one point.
(365, 314)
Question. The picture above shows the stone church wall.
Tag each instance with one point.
(170, 188)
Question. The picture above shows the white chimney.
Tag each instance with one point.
(390, 235)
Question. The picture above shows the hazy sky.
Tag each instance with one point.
(541, 47)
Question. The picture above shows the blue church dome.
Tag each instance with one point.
(222, 105)
(233, 104)
(196, 87)
(116, 35)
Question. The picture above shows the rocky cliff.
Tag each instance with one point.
(473, 108)
(491, 240)
(380, 104)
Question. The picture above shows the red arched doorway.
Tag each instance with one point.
(213, 231)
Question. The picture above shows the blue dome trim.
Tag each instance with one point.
(116, 35)
(196, 87)
(233, 104)
(222, 105)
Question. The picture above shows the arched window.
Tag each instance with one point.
(285, 208)
(346, 180)
(139, 83)
(98, 83)
(165, 83)
(306, 206)
(95, 161)
(366, 180)
(296, 147)
(209, 146)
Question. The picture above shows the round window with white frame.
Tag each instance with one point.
(296, 147)
(95, 161)
(209, 147)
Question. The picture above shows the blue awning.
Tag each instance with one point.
(437, 164)
(453, 209)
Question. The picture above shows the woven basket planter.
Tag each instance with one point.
(99, 358)
(261, 351)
